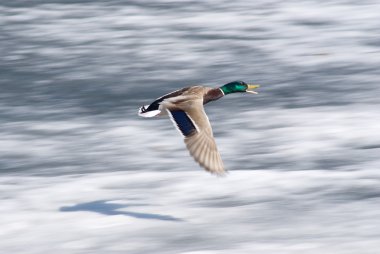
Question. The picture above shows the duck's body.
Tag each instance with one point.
(187, 94)
(185, 108)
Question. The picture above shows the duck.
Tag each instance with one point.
(185, 107)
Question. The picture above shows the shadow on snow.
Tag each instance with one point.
(106, 208)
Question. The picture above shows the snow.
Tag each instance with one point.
(166, 212)
(298, 206)
(80, 172)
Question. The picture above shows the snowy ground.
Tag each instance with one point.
(321, 195)
(81, 173)
(191, 212)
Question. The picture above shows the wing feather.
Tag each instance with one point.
(203, 152)
(200, 140)
(208, 155)
(196, 148)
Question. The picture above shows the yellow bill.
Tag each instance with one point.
(251, 87)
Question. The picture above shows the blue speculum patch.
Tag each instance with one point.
(183, 121)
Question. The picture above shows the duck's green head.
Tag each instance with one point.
(238, 87)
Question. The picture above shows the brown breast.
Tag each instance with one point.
(212, 95)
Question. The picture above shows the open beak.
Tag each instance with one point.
(252, 87)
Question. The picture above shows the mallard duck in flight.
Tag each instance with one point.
(185, 109)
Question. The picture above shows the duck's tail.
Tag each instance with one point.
(145, 112)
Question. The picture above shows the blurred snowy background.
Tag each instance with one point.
(81, 173)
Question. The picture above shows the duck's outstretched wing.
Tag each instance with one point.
(194, 125)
